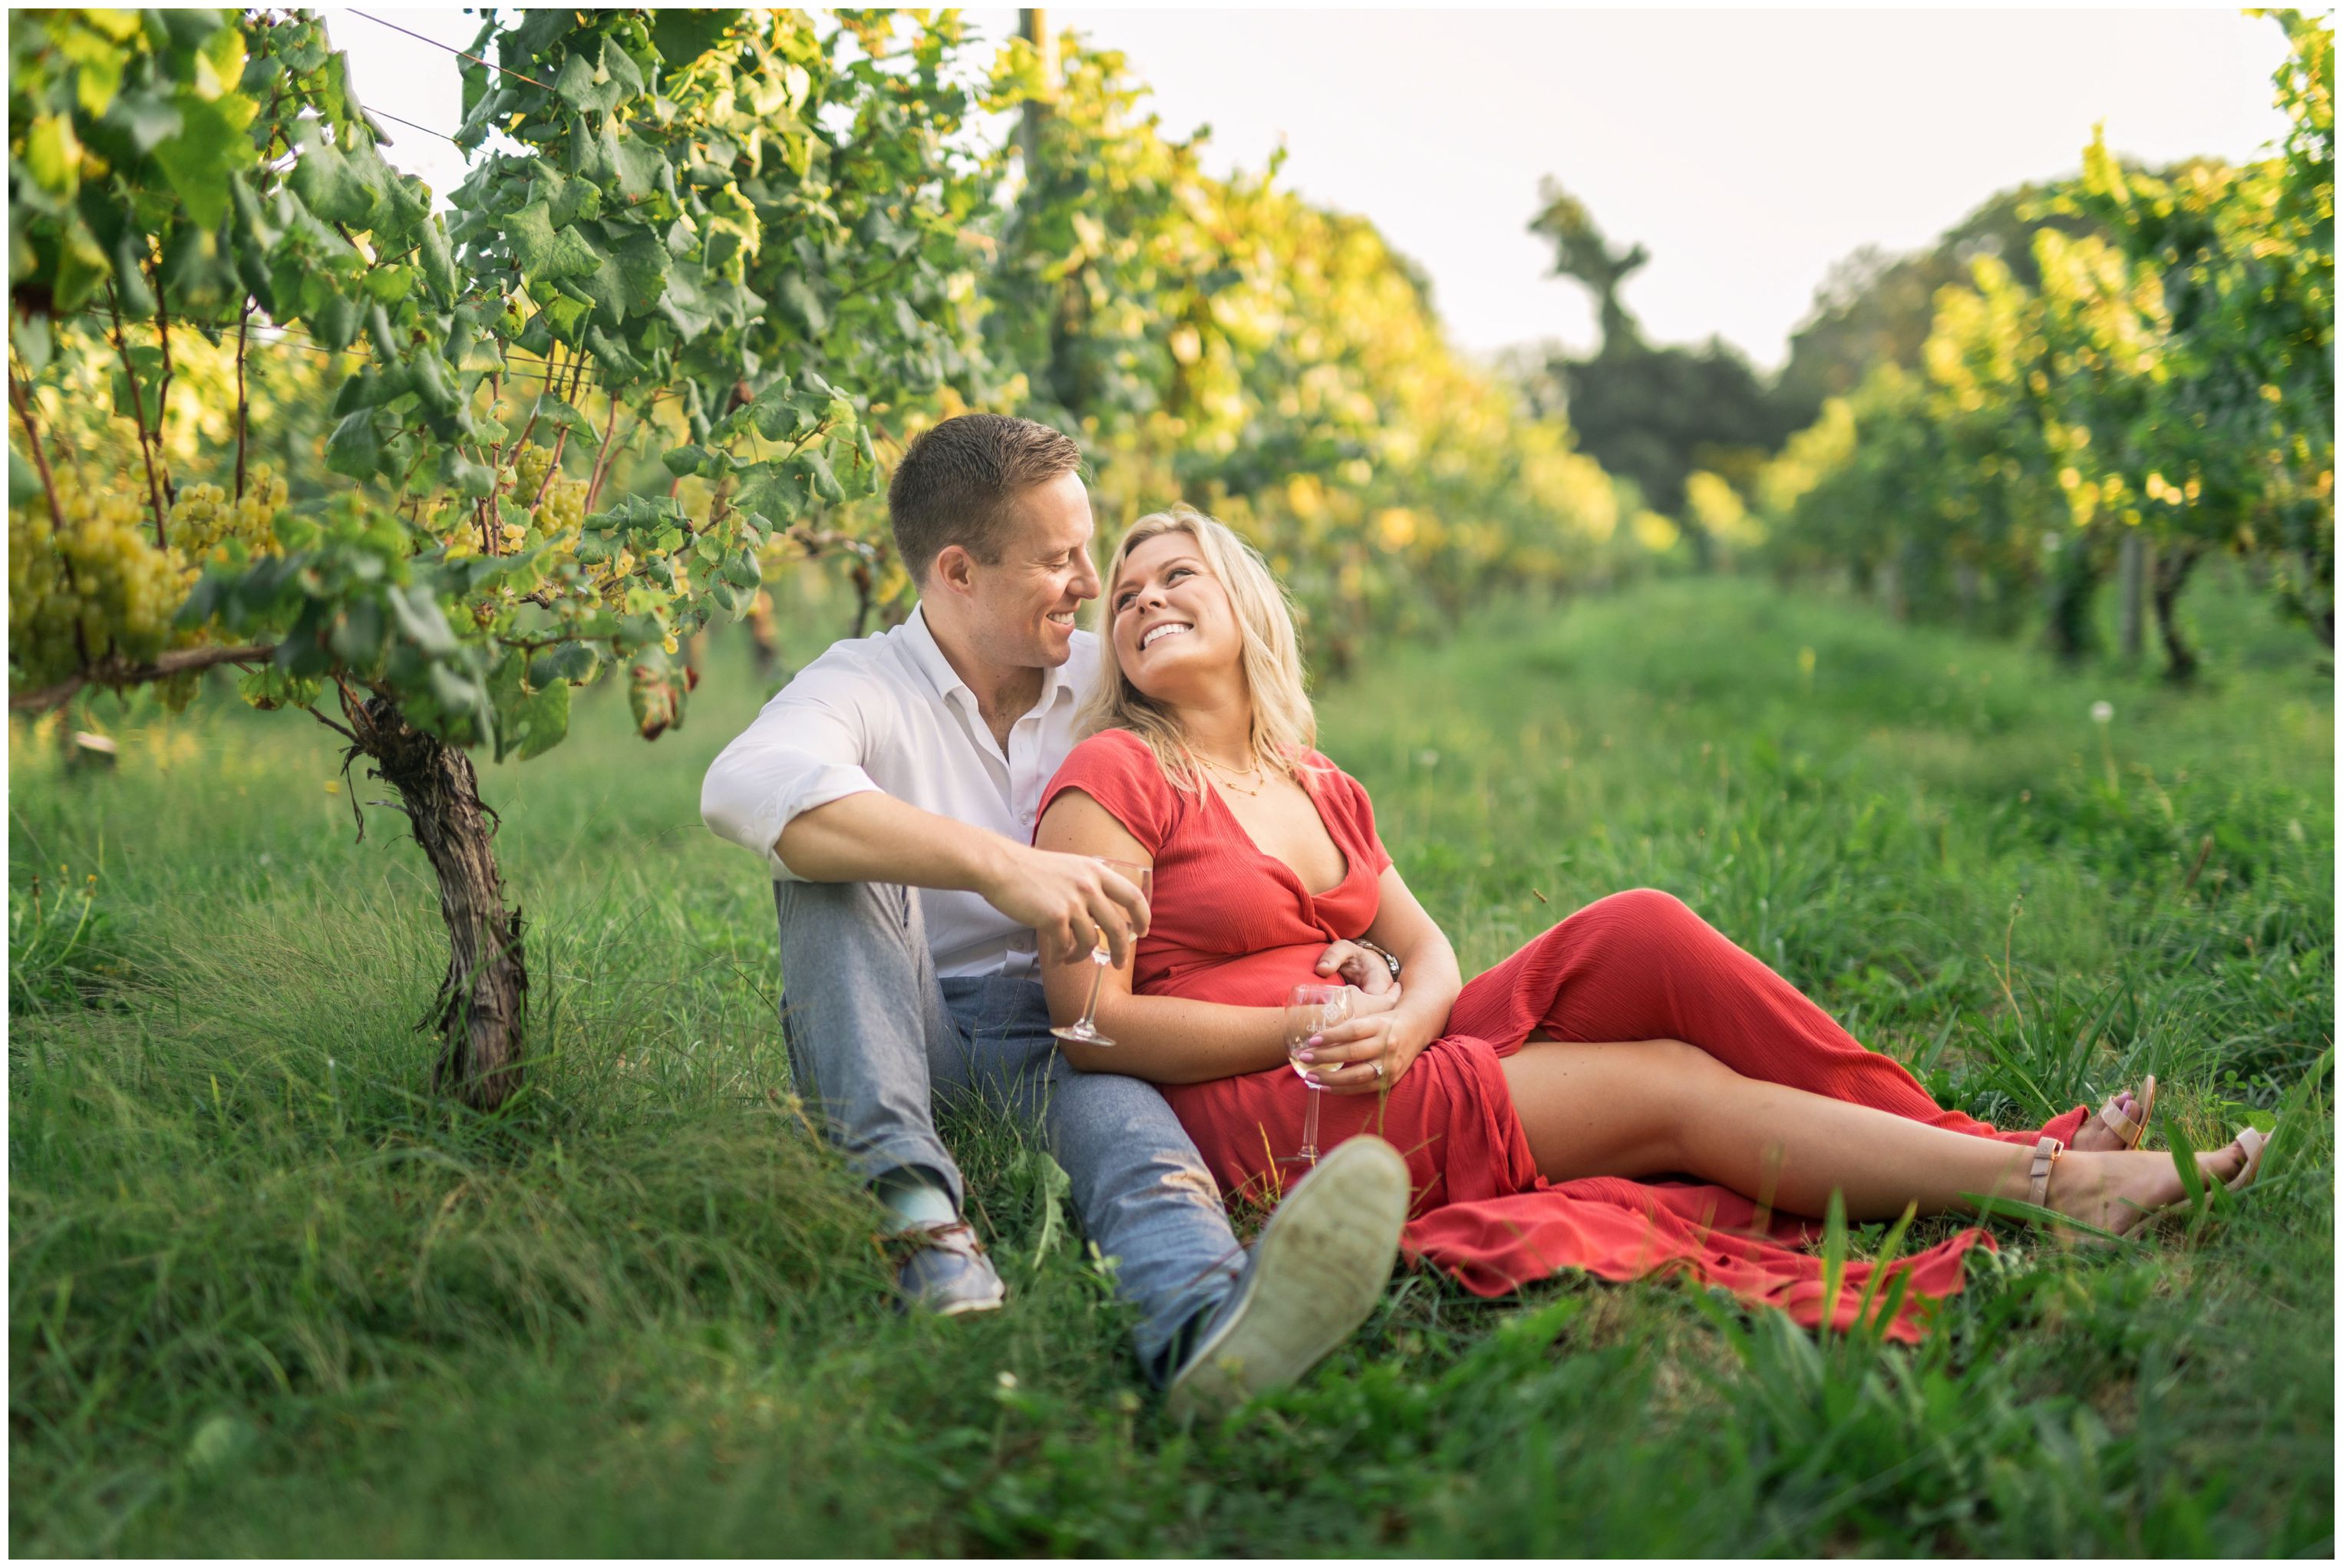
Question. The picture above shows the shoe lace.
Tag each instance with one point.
(958, 1236)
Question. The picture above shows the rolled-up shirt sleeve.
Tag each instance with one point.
(805, 749)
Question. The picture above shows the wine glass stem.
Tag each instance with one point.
(1098, 978)
(1310, 1128)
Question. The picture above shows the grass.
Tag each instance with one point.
(267, 1299)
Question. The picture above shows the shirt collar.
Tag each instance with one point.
(929, 655)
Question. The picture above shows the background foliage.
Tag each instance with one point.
(2166, 371)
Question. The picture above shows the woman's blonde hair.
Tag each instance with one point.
(1284, 726)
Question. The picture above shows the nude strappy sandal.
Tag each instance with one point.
(2046, 1152)
(2046, 1155)
(2130, 1129)
(2253, 1141)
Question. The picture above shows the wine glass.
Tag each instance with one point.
(1085, 1031)
(1309, 1009)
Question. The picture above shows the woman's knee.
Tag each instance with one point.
(1647, 920)
(1646, 907)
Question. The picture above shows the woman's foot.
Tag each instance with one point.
(2097, 1137)
(2120, 1192)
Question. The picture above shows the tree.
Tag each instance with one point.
(2167, 375)
(671, 266)
(1872, 306)
(2243, 417)
(1652, 414)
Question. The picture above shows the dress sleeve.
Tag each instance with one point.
(1115, 769)
(1350, 797)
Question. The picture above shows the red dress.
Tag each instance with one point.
(1232, 924)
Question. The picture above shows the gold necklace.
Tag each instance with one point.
(1229, 776)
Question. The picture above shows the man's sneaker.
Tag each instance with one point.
(949, 1274)
(1316, 1271)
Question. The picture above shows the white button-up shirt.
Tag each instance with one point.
(890, 713)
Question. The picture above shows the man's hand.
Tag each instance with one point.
(1357, 966)
(1073, 902)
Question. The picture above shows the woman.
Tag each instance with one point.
(1630, 1041)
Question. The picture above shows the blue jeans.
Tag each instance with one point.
(873, 1035)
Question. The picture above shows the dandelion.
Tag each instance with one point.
(2103, 714)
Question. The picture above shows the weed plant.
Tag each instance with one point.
(267, 1298)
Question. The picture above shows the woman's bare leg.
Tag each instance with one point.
(1648, 1107)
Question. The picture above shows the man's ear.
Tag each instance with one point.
(954, 571)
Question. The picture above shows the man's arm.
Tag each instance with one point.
(805, 749)
(875, 838)
(792, 788)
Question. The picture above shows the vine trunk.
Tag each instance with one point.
(482, 1010)
(2171, 575)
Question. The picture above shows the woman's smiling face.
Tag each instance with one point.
(1171, 625)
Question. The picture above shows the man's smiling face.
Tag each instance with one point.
(1025, 605)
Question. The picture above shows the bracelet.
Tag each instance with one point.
(1385, 954)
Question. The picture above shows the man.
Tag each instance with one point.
(890, 789)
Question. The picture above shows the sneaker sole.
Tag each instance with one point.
(1318, 1270)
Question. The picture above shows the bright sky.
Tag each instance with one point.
(1748, 150)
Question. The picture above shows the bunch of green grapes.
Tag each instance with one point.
(203, 519)
(531, 466)
(556, 503)
(95, 590)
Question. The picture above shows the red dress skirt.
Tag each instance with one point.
(1232, 924)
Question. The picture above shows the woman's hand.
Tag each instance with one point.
(1358, 966)
(1368, 1052)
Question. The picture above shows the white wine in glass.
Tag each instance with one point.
(1084, 1029)
(1309, 1009)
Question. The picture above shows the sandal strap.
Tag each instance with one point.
(2129, 1129)
(2252, 1140)
(2045, 1154)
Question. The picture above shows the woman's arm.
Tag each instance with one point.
(1344, 1061)
(1161, 1039)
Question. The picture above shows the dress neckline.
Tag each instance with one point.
(1349, 863)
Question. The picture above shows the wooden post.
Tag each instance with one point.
(2132, 577)
(1033, 24)
(1968, 587)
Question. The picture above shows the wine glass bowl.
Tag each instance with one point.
(1311, 1010)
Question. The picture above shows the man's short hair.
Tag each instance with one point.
(959, 482)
